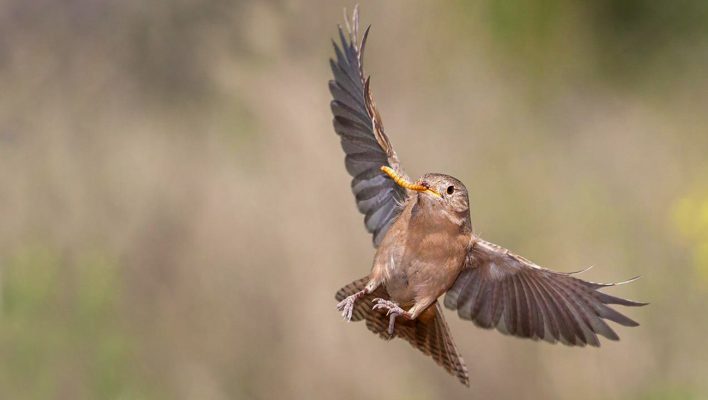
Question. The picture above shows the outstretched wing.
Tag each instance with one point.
(360, 128)
(501, 290)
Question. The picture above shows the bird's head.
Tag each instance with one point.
(445, 190)
(436, 190)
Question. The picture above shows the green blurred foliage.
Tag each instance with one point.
(690, 215)
(629, 43)
(60, 315)
(670, 394)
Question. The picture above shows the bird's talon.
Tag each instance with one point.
(346, 306)
(391, 307)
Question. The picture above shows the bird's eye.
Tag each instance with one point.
(450, 189)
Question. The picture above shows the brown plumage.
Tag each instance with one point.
(428, 333)
(426, 247)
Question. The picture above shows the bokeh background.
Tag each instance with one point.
(175, 216)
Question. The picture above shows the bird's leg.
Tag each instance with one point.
(346, 306)
(394, 310)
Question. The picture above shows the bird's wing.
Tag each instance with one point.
(498, 289)
(359, 125)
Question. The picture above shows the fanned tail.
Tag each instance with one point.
(428, 333)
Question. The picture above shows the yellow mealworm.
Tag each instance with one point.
(401, 181)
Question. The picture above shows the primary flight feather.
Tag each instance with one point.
(425, 247)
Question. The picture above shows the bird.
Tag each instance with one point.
(426, 246)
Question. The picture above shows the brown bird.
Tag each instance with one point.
(425, 247)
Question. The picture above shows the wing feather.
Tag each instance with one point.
(359, 126)
(498, 289)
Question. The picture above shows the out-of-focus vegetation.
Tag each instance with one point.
(175, 214)
(62, 334)
(691, 217)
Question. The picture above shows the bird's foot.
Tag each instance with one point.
(393, 310)
(346, 306)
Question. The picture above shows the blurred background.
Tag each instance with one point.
(175, 216)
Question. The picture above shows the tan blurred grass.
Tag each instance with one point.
(180, 158)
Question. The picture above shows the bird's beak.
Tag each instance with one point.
(410, 186)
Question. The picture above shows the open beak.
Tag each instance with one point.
(410, 186)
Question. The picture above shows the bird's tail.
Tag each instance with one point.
(428, 333)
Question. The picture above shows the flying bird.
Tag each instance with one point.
(426, 247)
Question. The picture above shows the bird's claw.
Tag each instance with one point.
(388, 305)
(393, 310)
(346, 306)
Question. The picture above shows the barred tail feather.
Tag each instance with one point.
(429, 333)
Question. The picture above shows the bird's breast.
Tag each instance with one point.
(420, 262)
